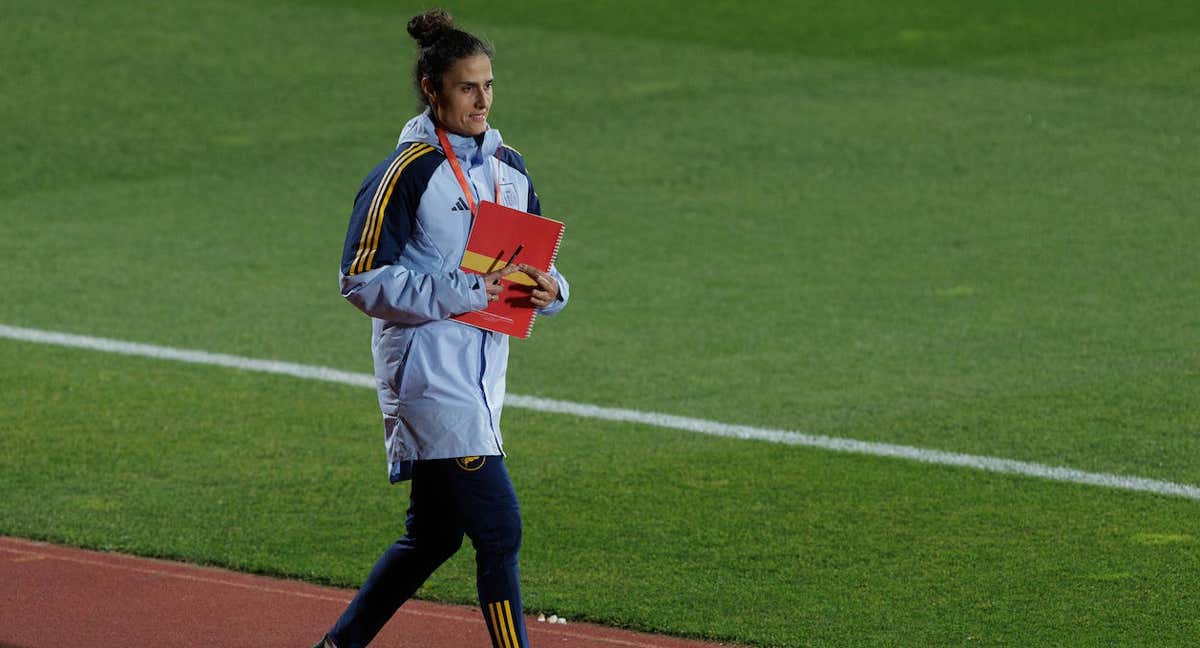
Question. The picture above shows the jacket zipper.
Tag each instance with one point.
(483, 387)
(483, 352)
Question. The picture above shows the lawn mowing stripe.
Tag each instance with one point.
(670, 421)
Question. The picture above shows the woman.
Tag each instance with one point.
(440, 383)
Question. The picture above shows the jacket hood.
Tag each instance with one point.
(422, 129)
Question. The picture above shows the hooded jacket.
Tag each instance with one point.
(440, 383)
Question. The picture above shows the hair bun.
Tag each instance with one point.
(427, 28)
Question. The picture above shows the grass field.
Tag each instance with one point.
(965, 230)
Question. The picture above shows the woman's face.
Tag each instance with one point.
(461, 105)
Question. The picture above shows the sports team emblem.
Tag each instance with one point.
(470, 464)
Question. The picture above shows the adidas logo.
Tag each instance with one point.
(461, 205)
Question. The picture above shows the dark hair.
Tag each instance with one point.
(439, 46)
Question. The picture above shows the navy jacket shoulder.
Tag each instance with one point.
(386, 207)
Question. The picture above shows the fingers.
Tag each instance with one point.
(493, 288)
(544, 280)
(494, 277)
(547, 288)
(491, 282)
(541, 296)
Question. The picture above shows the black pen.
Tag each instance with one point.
(513, 257)
(506, 263)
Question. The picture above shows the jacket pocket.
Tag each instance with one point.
(439, 362)
(392, 345)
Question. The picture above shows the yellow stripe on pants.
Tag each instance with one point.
(512, 629)
(499, 633)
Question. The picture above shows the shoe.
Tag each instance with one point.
(325, 642)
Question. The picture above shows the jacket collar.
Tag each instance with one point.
(421, 129)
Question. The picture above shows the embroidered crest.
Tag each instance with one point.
(470, 464)
(508, 195)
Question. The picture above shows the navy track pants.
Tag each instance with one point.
(450, 497)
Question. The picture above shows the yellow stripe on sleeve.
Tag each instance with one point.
(367, 222)
(425, 148)
(368, 242)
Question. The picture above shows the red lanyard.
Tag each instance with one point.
(458, 172)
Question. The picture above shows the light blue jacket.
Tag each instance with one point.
(441, 383)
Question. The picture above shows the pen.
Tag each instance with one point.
(513, 257)
(506, 263)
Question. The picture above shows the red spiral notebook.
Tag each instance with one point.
(498, 232)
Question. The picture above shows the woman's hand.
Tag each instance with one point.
(547, 289)
(491, 281)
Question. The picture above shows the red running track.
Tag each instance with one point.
(52, 596)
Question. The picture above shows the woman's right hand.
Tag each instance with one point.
(491, 281)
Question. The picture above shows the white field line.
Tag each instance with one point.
(702, 426)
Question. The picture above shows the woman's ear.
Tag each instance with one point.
(428, 90)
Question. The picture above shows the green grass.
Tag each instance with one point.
(654, 531)
(901, 222)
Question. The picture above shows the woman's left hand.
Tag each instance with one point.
(547, 289)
